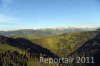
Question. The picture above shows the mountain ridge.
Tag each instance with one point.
(43, 32)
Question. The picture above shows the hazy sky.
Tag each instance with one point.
(30, 14)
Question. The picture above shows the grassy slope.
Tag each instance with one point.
(66, 42)
(5, 47)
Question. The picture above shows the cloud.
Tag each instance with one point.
(6, 19)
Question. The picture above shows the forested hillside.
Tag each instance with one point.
(26, 50)
(22, 52)
(90, 50)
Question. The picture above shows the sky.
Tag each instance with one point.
(37, 14)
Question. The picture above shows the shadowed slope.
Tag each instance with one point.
(90, 48)
(27, 45)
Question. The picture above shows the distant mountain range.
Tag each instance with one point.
(44, 32)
